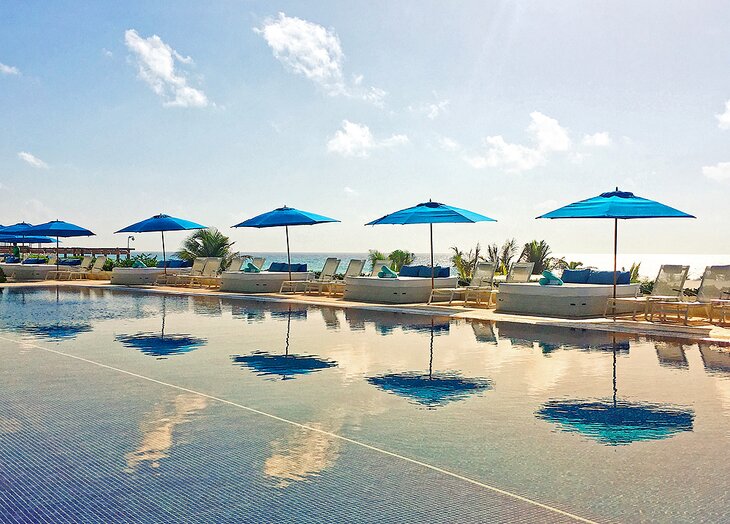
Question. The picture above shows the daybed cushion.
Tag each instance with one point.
(70, 262)
(606, 277)
(174, 264)
(576, 276)
(34, 261)
(282, 267)
(424, 271)
(12, 260)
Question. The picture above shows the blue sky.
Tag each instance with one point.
(215, 112)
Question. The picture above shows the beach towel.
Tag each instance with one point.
(386, 272)
(250, 268)
(550, 279)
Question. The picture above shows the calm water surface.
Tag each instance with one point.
(608, 427)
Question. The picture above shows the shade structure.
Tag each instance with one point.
(431, 213)
(161, 223)
(285, 366)
(432, 389)
(286, 216)
(616, 422)
(16, 229)
(616, 205)
(17, 239)
(59, 228)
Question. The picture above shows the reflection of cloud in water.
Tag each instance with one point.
(9, 425)
(158, 427)
(301, 455)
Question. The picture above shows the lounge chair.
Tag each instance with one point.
(519, 273)
(176, 279)
(720, 307)
(328, 273)
(258, 262)
(209, 276)
(337, 287)
(236, 263)
(380, 264)
(98, 267)
(64, 274)
(481, 283)
(714, 287)
(668, 287)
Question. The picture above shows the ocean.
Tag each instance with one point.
(650, 263)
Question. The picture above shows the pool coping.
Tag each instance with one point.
(706, 333)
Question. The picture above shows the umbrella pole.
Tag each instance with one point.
(433, 269)
(164, 264)
(615, 264)
(288, 255)
(430, 358)
(56, 258)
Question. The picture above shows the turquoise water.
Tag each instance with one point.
(137, 407)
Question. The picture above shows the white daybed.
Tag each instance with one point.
(401, 290)
(262, 282)
(566, 301)
(27, 272)
(141, 276)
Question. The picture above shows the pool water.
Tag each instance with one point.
(131, 406)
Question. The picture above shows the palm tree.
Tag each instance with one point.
(374, 255)
(539, 253)
(506, 254)
(466, 264)
(562, 263)
(207, 243)
(401, 258)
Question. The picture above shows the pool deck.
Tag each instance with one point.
(695, 331)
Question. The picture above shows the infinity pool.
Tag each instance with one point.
(130, 406)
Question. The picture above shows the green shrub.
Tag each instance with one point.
(2, 277)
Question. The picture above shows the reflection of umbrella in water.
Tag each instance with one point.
(431, 389)
(617, 422)
(58, 331)
(285, 366)
(161, 345)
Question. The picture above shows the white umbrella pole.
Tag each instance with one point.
(433, 269)
(288, 255)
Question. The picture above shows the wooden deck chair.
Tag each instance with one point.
(328, 272)
(668, 287)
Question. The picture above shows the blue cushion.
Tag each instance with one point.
(443, 272)
(426, 272)
(187, 263)
(70, 262)
(576, 276)
(34, 261)
(275, 266)
(160, 264)
(12, 260)
(606, 277)
(409, 271)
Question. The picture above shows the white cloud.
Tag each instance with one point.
(156, 62)
(357, 140)
(431, 109)
(449, 144)
(349, 191)
(311, 50)
(723, 119)
(601, 139)
(8, 70)
(32, 160)
(548, 133)
(720, 171)
(548, 137)
(107, 53)
(510, 157)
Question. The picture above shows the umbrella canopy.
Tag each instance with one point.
(15, 239)
(616, 205)
(430, 389)
(59, 228)
(285, 366)
(16, 229)
(286, 216)
(161, 223)
(617, 422)
(431, 213)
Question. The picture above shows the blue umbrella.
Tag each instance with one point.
(431, 213)
(161, 223)
(618, 205)
(286, 216)
(59, 228)
(18, 228)
(14, 239)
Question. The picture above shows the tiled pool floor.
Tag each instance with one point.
(135, 407)
(82, 457)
